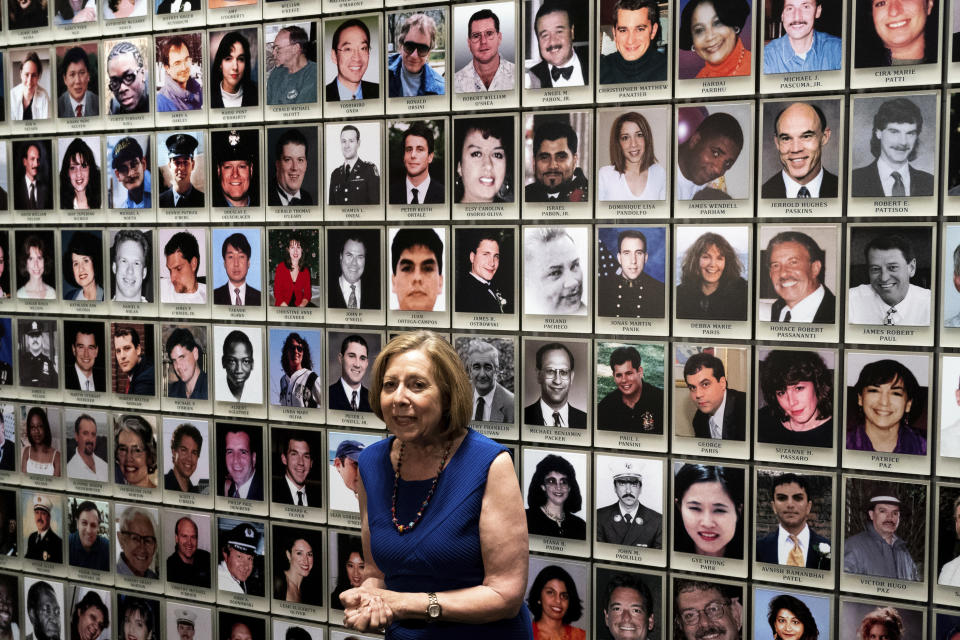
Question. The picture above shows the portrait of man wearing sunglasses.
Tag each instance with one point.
(410, 75)
(127, 79)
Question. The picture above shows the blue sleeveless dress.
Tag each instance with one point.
(442, 552)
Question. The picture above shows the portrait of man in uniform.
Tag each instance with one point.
(356, 181)
(241, 566)
(235, 155)
(635, 405)
(181, 164)
(628, 522)
(38, 353)
(629, 291)
(132, 188)
(43, 543)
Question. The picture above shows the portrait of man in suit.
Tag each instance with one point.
(136, 373)
(78, 101)
(32, 175)
(794, 543)
(43, 544)
(291, 166)
(241, 473)
(894, 143)
(350, 289)
(555, 372)
(351, 57)
(800, 133)
(797, 266)
(181, 194)
(479, 290)
(492, 402)
(414, 183)
(561, 64)
(347, 393)
(296, 463)
(721, 411)
(627, 522)
(236, 252)
(88, 372)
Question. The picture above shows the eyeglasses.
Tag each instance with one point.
(419, 47)
(553, 373)
(714, 611)
(128, 79)
(362, 50)
(297, 347)
(552, 482)
(135, 450)
(476, 36)
(136, 538)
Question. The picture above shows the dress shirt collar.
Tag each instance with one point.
(294, 488)
(345, 289)
(884, 168)
(232, 288)
(576, 77)
(564, 412)
(84, 378)
(716, 420)
(806, 309)
(793, 186)
(421, 189)
(487, 402)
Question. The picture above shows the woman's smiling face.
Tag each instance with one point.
(556, 486)
(79, 173)
(712, 40)
(709, 517)
(555, 599)
(483, 167)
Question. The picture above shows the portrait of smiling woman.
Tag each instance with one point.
(233, 71)
(797, 389)
(714, 30)
(35, 265)
(890, 406)
(791, 619)
(483, 153)
(711, 285)
(553, 499)
(708, 510)
(83, 266)
(79, 176)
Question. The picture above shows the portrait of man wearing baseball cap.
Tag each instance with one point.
(130, 168)
(241, 567)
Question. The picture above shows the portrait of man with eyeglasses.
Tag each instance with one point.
(488, 68)
(350, 54)
(555, 374)
(410, 69)
(293, 77)
(127, 79)
(137, 539)
(707, 608)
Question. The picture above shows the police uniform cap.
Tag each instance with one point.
(185, 617)
(245, 538)
(127, 149)
(34, 329)
(181, 144)
(42, 503)
(626, 469)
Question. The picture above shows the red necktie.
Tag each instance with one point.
(79, 110)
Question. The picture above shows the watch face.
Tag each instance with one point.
(433, 610)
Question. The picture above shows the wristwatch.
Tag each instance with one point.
(434, 611)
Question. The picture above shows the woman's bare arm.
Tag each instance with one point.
(503, 543)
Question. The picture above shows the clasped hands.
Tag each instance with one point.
(365, 609)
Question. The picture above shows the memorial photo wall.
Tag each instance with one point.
(700, 262)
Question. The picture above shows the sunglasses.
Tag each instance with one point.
(420, 48)
(128, 79)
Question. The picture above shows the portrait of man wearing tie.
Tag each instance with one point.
(492, 402)
(88, 372)
(794, 542)
(354, 181)
(353, 254)
(239, 464)
(721, 411)
(485, 279)
(77, 100)
(292, 483)
(32, 175)
(895, 146)
(555, 374)
(238, 257)
(292, 155)
(801, 134)
(181, 148)
(348, 393)
(412, 154)
(627, 521)
(888, 297)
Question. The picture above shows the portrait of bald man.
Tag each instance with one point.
(801, 135)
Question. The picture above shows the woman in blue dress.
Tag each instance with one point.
(443, 526)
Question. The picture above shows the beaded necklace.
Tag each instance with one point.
(403, 528)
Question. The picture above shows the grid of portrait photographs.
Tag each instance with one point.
(217, 213)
